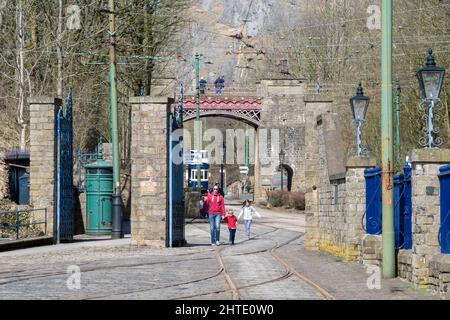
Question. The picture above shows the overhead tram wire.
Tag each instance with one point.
(248, 14)
(340, 22)
(368, 44)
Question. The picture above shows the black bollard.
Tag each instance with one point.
(117, 217)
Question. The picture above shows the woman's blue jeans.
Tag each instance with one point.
(214, 223)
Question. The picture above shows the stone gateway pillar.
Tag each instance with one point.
(42, 158)
(149, 172)
(426, 210)
(282, 127)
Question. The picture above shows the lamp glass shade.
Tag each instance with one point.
(359, 105)
(431, 80)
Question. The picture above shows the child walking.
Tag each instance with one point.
(232, 221)
(248, 211)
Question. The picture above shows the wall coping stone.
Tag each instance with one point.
(434, 155)
(361, 162)
(41, 100)
(441, 262)
(149, 100)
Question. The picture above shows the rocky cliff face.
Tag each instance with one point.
(231, 35)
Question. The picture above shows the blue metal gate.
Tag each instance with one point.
(64, 173)
(407, 208)
(402, 208)
(176, 177)
(444, 232)
(373, 200)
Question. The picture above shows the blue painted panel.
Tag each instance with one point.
(444, 233)
(176, 186)
(64, 172)
(373, 201)
(24, 189)
(407, 208)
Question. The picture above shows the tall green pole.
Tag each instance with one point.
(387, 149)
(398, 91)
(117, 202)
(199, 134)
(247, 142)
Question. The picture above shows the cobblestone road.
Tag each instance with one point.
(272, 265)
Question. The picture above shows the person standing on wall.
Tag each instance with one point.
(203, 84)
(216, 204)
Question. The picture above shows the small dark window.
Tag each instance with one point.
(335, 194)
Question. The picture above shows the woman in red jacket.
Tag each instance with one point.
(216, 205)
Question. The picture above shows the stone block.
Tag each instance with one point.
(436, 156)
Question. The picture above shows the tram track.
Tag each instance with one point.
(26, 277)
(233, 288)
(290, 272)
(221, 270)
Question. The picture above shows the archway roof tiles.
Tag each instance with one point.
(224, 103)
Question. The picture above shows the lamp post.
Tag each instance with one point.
(359, 105)
(398, 91)
(199, 130)
(116, 198)
(282, 155)
(431, 79)
(222, 174)
(387, 143)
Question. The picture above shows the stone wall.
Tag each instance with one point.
(404, 265)
(313, 108)
(439, 274)
(426, 210)
(42, 157)
(335, 193)
(283, 118)
(149, 167)
(335, 205)
(371, 250)
(355, 207)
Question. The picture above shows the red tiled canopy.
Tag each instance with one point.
(223, 103)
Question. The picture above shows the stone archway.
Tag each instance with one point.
(284, 107)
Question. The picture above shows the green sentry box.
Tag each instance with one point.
(99, 190)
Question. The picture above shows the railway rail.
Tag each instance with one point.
(233, 287)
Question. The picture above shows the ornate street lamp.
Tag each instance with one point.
(282, 155)
(359, 105)
(431, 79)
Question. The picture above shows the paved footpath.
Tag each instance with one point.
(273, 264)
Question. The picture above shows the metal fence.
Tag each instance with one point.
(21, 222)
(402, 208)
(373, 200)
